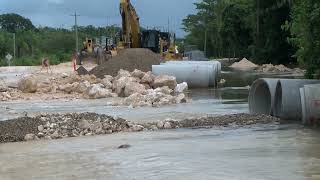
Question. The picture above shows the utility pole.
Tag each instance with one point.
(168, 25)
(205, 42)
(14, 45)
(76, 29)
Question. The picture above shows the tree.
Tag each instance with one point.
(14, 22)
(305, 30)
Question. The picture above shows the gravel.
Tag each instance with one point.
(128, 59)
(56, 126)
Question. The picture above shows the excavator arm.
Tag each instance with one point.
(130, 25)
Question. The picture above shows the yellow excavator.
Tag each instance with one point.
(133, 37)
(130, 26)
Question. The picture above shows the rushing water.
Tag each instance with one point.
(258, 152)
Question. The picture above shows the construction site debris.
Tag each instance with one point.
(165, 80)
(244, 65)
(82, 71)
(137, 88)
(56, 126)
(270, 68)
(3, 86)
(134, 87)
(182, 87)
(128, 59)
(28, 84)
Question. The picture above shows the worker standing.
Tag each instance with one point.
(45, 64)
(74, 60)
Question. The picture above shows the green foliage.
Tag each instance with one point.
(242, 28)
(305, 30)
(14, 22)
(32, 44)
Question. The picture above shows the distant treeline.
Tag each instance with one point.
(267, 31)
(33, 43)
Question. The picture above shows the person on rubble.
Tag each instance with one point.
(45, 64)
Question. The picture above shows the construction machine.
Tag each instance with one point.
(133, 37)
(130, 26)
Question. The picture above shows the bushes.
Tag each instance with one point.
(35, 61)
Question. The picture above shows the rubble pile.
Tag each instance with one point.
(145, 89)
(57, 126)
(270, 68)
(135, 88)
(245, 65)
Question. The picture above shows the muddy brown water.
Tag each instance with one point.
(258, 152)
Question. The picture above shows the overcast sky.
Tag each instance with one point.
(56, 13)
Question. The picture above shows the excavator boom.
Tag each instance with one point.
(130, 25)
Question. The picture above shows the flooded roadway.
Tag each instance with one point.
(257, 152)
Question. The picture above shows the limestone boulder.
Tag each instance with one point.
(134, 87)
(28, 84)
(29, 137)
(181, 98)
(148, 78)
(108, 78)
(182, 87)
(137, 73)
(165, 80)
(68, 88)
(97, 92)
(122, 73)
(119, 85)
(136, 100)
(3, 86)
(83, 87)
(165, 90)
(107, 83)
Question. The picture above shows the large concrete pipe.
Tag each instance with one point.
(287, 104)
(215, 71)
(194, 75)
(310, 102)
(261, 96)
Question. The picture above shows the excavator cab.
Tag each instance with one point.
(150, 39)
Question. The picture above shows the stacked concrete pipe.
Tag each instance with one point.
(287, 104)
(278, 97)
(197, 74)
(310, 102)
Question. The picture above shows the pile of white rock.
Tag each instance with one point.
(137, 88)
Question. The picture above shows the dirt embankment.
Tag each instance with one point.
(56, 126)
(128, 59)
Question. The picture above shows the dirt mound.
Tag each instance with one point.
(244, 64)
(128, 59)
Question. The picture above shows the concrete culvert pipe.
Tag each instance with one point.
(261, 96)
(215, 70)
(287, 104)
(195, 75)
(310, 103)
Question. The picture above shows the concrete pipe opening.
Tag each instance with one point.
(260, 98)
